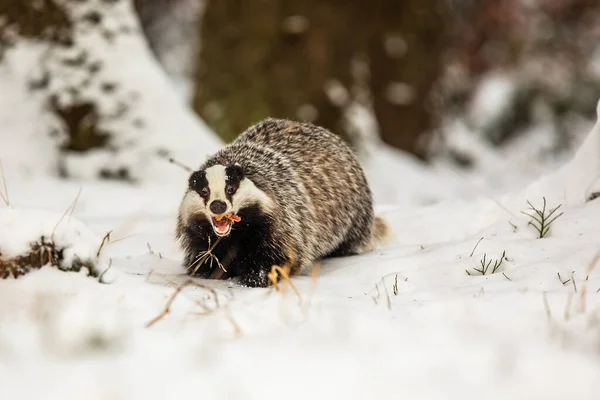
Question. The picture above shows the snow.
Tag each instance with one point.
(405, 321)
(491, 98)
(21, 226)
(446, 334)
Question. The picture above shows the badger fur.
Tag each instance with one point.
(301, 196)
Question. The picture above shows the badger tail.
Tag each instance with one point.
(381, 233)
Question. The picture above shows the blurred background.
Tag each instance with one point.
(500, 68)
(501, 90)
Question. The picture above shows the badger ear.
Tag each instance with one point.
(235, 172)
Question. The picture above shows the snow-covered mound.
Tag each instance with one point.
(104, 84)
(34, 238)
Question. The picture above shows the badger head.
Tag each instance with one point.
(220, 190)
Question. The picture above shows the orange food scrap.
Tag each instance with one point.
(231, 217)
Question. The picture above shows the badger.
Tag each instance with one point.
(298, 194)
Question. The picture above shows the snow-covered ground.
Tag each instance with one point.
(413, 320)
(520, 333)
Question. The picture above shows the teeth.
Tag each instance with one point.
(221, 227)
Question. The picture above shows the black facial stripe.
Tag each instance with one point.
(234, 174)
(230, 189)
(198, 183)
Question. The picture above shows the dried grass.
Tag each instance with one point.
(105, 240)
(205, 310)
(69, 211)
(285, 276)
(592, 265)
(205, 255)
(41, 253)
(172, 298)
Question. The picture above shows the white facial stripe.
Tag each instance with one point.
(248, 194)
(216, 176)
(192, 204)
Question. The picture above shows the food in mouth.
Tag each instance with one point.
(222, 223)
(231, 217)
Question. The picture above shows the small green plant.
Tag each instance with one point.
(542, 219)
(488, 265)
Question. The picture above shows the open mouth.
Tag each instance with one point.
(222, 223)
(222, 227)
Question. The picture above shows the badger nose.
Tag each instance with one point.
(218, 207)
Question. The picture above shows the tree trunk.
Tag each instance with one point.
(294, 59)
(406, 57)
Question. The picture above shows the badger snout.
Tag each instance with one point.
(221, 224)
(218, 207)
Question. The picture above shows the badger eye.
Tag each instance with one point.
(204, 192)
(230, 190)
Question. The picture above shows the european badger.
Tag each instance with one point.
(300, 195)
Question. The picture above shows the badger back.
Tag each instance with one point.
(314, 175)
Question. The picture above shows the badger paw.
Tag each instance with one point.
(254, 278)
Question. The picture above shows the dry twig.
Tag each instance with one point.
(547, 306)
(204, 255)
(69, 211)
(180, 165)
(474, 248)
(105, 271)
(387, 296)
(105, 239)
(314, 274)
(567, 312)
(120, 239)
(561, 280)
(236, 327)
(591, 267)
(284, 275)
(171, 299)
(151, 250)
